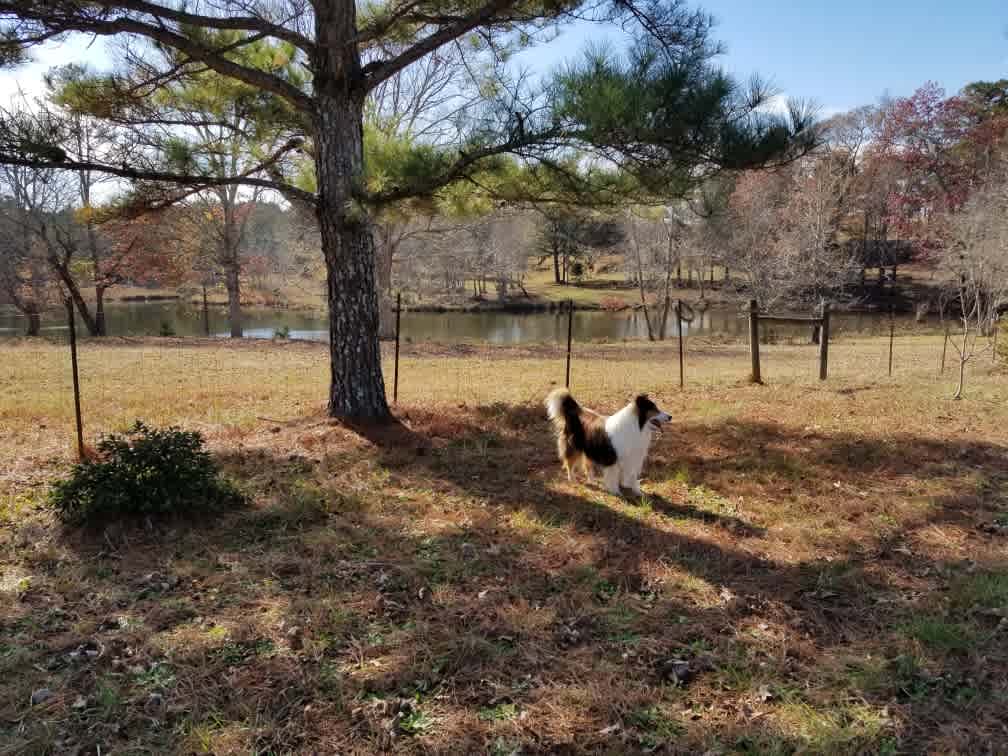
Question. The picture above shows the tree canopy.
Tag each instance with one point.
(658, 118)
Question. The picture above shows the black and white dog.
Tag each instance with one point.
(618, 443)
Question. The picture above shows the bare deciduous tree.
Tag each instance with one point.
(978, 263)
(26, 280)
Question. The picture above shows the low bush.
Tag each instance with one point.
(148, 472)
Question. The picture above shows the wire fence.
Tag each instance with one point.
(223, 384)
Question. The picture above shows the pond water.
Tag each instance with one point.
(147, 319)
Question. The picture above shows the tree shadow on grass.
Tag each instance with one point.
(400, 587)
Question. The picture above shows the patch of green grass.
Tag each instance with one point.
(499, 713)
(158, 676)
(13, 657)
(108, 697)
(417, 722)
(505, 747)
(331, 681)
(13, 509)
(604, 590)
(736, 675)
(620, 622)
(655, 726)
(704, 498)
(987, 590)
(233, 653)
(841, 729)
(940, 634)
(868, 676)
(909, 677)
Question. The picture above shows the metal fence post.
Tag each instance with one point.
(678, 315)
(892, 329)
(824, 341)
(570, 331)
(754, 341)
(395, 379)
(76, 380)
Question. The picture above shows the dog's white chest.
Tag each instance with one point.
(627, 437)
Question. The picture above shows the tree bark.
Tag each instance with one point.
(232, 281)
(230, 257)
(963, 359)
(99, 315)
(92, 237)
(75, 294)
(357, 389)
(34, 323)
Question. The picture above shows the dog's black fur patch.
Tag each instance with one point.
(646, 409)
(584, 432)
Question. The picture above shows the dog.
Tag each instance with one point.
(618, 443)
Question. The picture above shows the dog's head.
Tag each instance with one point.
(648, 414)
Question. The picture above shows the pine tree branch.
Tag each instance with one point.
(63, 17)
(246, 178)
(236, 23)
(378, 71)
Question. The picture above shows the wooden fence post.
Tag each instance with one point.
(941, 370)
(678, 315)
(892, 328)
(206, 314)
(754, 341)
(76, 380)
(395, 380)
(824, 341)
(570, 331)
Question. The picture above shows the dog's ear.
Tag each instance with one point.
(645, 408)
(644, 404)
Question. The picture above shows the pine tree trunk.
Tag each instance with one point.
(100, 311)
(75, 295)
(230, 261)
(99, 316)
(357, 389)
(384, 255)
(232, 281)
(556, 263)
(34, 323)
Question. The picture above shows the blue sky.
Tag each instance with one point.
(840, 54)
(845, 54)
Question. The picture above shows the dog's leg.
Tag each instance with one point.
(587, 464)
(631, 479)
(611, 478)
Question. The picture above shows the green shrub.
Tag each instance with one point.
(282, 332)
(167, 329)
(145, 472)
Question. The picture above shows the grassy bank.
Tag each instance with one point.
(815, 567)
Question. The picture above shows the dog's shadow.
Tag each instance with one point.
(684, 510)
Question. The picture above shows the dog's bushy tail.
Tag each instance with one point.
(564, 411)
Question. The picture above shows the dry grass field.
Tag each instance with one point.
(814, 567)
